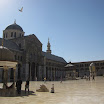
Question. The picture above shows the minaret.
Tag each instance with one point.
(48, 47)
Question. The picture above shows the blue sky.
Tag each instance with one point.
(75, 27)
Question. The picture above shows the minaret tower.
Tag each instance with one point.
(48, 47)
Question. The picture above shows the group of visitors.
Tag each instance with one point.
(19, 84)
(89, 77)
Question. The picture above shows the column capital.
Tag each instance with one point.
(5, 67)
(14, 68)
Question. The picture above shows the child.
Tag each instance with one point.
(52, 89)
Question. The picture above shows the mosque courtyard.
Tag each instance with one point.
(68, 92)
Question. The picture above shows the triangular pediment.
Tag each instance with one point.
(33, 37)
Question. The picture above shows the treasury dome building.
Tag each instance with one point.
(33, 63)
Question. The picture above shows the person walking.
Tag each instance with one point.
(44, 79)
(93, 77)
(27, 86)
(18, 85)
(52, 89)
(61, 79)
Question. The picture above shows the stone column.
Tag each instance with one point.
(35, 73)
(16, 73)
(27, 67)
(14, 70)
(30, 71)
(44, 71)
(44, 68)
(51, 73)
(54, 74)
(27, 71)
(40, 73)
(5, 79)
(0, 75)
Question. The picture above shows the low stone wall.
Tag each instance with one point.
(8, 92)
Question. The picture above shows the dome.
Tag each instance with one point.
(14, 26)
(6, 54)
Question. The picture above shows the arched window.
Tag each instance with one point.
(20, 34)
(18, 57)
(21, 58)
(4, 35)
(15, 34)
(11, 34)
(20, 45)
(31, 55)
(15, 57)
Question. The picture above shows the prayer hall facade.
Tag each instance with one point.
(33, 63)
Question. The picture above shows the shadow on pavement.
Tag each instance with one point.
(23, 93)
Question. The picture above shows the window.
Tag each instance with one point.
(102, 67)
(20, 34)
(18, 57)
(4, 35)
(77, 65)
(97, 68)
(97, 64)
(21, 58)
(15, 57)
(15, 34)
(87, 65)
(23, 70)
(20, 45)
(30, 55)
(101, 64)
(11, 34)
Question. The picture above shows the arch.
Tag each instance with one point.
(37, 72)
(33, 71)
(47, 73)
(11, 74)
(2, 75)
(4, 35)
(29, 75)
(52, 74)
(11, 34)
(56, 73)
(19, 71)
(15, 34)
(19, 45)
(20, 34)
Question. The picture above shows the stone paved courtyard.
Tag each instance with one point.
(67, 92)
